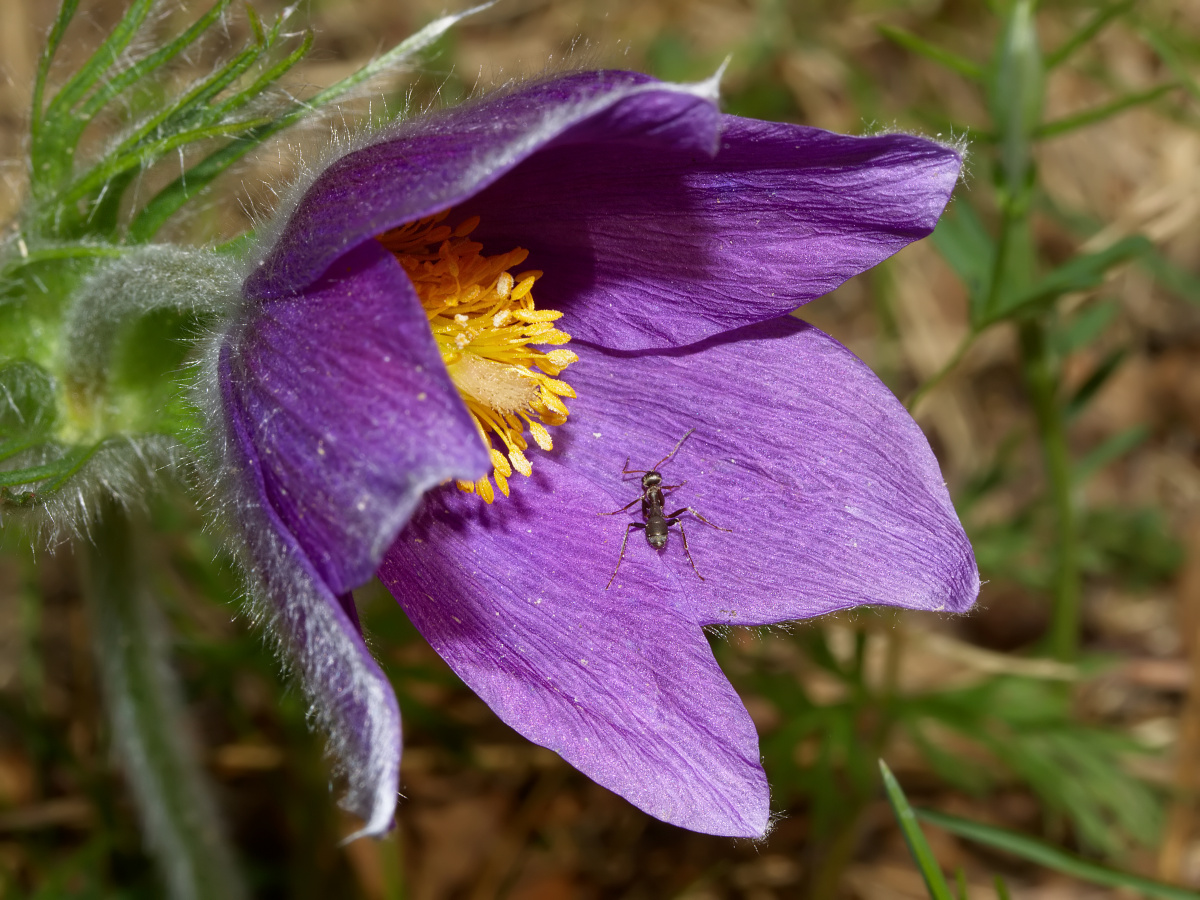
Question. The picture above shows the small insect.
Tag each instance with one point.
(654, 522)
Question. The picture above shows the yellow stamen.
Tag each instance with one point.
(485, 323)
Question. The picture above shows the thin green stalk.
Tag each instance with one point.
(1085, 34)
(1103, 112)
(146, 715)
(923, 389)
(1042, 381)
(29, 611)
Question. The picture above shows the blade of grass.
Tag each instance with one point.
(939, 55)
(922, 855)
(1051, 857)
(174, 195)
(1079, 274)
(1167, 54)
(1100, 113)
(1080, 399)
(1109, 451)
(1087, 32)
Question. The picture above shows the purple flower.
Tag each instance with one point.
(388, 325)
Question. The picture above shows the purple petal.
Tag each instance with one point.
(349, 412)
(609, 179)
(350, 697)
(623, 687)
(832, 494)
(433, 162)
(659, 246)
(833, 497)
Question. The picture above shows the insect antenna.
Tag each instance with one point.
(665, 459)
(661, 462)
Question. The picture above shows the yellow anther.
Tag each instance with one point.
(537, 315)
(541, 435)
(489, 331)
(523, 287)
(504, 285)
(501, 465)
(558, 387)
(467, 487)
(483, 488)
(553, 337)
(553, 403)
(466, 227)
(519, 462)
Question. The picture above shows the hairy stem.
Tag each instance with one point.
(147, 719)
(1042, 382)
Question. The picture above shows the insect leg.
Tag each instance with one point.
(632, 525)
(688, 509)
(622, 509)
(686, 551)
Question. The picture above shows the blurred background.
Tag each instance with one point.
(1095, 748)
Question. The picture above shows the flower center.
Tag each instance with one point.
(485, 324)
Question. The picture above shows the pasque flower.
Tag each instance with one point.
(459, 331)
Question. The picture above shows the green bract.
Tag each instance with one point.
(96, 324)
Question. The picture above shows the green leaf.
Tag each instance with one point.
(948, 766)
(72, 127)
(66, 12)
(146, 154)
(52, 150)
(1079, 274)
(186, 110)
(1100, 113)
(939, 55)
(1175, 278)
(965, 244)
(35, 483)
(27, 404)
(1076, 771)
(1091, 386)
(922, 855)
(177, 193)
(1109, 451)
(1162, 46)
(1084, 327)
(265, 80)
(1134, 546)
(1027, 848)
(1087, 32)
(143, 67)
